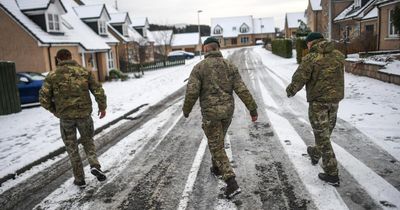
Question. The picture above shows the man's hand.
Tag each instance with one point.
(186, 115)
(289, 91)
(254, 118)
(102, 113)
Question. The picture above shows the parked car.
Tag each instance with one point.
(259, 42)
(180, 54)
(29, 84)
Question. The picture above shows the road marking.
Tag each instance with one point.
(193, 174)
(323, 195)
(168, 131)
(377, 187)
(266, 97)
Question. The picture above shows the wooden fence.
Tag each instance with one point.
(9, 95)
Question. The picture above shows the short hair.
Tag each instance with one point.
(63, 55)
(214, 46)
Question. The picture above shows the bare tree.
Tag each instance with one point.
(162, 43)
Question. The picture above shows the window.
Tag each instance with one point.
(234, 41)
(392, 30)
(244, 28)
(369, 28)
(217, 30)
(233, 28)
(110, 60)
(262, 26)
(125, 29)
(244, 40)
(357, 3)
(102, 27)
(53, 22)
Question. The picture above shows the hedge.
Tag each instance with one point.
(301, 49)
(282, 47)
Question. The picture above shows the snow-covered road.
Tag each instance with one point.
(164, 163)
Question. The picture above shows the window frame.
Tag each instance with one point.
(391, 29)
(53, 22)
(244, 28)
(102, 25)
(217, 30)
(110, 60)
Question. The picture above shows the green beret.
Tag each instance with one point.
(313, 36)
(211, 40)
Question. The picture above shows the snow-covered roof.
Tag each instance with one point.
(119, 18)
(316, 5)
(203, 38)
(133, 35)
(371, 14)
(264, 25)
(185, 39)
(30, 4)
(90, 11)
(231, 25)
(293, 19)
(89, 39)
(75, 31)
(353, 12)
(163, 37)
(139, 21)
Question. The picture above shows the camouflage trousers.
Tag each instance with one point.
(215, 132)
(85, 127)
(323, 120)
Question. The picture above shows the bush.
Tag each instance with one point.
(117, 74)
(301, 49)
(282, 47)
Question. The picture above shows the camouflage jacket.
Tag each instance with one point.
(213, 80)
(322, 71)
(65, 92)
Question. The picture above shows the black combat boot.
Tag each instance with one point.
(215, 171)
(80, 184)
(311, 153)
(98, 174)
(332, 180)
(232, 188)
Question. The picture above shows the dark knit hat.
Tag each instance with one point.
(211, 40)
(313, 36)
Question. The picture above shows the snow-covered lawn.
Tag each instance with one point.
(370, 105)
(34, 133)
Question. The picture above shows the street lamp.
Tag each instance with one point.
(198, 23)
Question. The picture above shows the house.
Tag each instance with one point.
(189, 42)
(388, 36)
(317, 14)
(162, 43)
(241, 30)
(292, 23)
(97, 18)
(349, 20)
(33, 32)
(141, 25)
(263, 28)
(129, 39)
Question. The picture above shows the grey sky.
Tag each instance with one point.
(185, 11)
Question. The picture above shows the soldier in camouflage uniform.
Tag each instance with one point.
(213, 81)
(322, 72)
(65, 93)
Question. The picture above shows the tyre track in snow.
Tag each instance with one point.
(360, 146)
(31, 191)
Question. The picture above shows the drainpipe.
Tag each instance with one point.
(49, 57)
(330, 20)
(379, 29)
